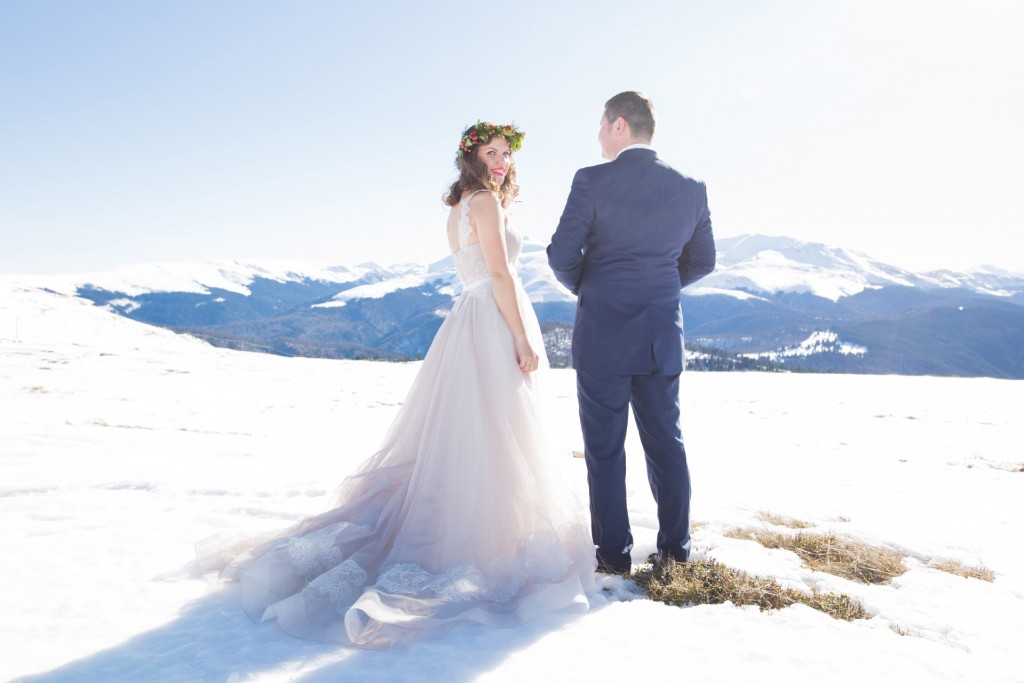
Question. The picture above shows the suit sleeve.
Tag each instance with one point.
(698, 257)
(565, 253)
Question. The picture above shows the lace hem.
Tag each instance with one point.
(542, 558)
(312, 555)
(341, 585)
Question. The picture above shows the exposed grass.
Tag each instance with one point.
(710, 582)
(964, 570)
(779, 520)
(831, 553)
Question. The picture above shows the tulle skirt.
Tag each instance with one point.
(460, 516)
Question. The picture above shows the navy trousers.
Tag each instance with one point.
(604, 401)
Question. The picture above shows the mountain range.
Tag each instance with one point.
(772, 303)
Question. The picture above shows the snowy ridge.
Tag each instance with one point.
(408, 276)
(780, 264)
(236, 275)
(986, 280)
(758, 263)
(197, 277)
(40, 317)
(538, 280)
(739, 294)
(825, 341)
(533, 270)
(749, 264)
(769, 296)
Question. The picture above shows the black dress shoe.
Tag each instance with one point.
(603, 568)
(614, 563)
(662, 557)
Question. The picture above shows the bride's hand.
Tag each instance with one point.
(525, 355)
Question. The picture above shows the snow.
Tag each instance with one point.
(538, 280)
(121, 445)
(196, 277)
(376, 290)
(762, 263)
(771, 270)
(739, 294)
(127, 306)
(822, 341)
(748, 265)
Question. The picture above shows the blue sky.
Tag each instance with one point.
(325, 131)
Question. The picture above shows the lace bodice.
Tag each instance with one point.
(469, 258)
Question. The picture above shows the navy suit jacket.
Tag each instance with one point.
(634, 232)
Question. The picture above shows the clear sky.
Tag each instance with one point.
(325, 130)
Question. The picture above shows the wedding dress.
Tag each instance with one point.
(460, 516)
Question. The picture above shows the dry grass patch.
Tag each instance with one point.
(965, 570)
(901, 630)
(779, 520)
(711, 583)
(831, 553)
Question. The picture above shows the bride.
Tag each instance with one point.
(460, 515)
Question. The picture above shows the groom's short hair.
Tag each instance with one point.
(636, 109)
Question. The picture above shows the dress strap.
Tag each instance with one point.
(464, 227)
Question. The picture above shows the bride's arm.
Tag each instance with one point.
(485, 212)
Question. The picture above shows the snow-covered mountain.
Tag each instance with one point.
(799, 304)
(363, 281)
(202, 277)
(747, 265)
(758, 263)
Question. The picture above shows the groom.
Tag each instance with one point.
(634, 231)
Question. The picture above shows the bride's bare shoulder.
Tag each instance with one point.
(484, 201)
(482, 195)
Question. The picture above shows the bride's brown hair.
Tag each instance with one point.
(473, 173)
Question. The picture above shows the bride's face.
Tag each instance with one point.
(497, 156)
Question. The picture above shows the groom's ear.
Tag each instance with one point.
(620, 127)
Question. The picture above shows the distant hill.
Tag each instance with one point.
(772, 303)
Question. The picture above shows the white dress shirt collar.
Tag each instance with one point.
(638, 145)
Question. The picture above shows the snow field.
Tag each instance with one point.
(121, 445)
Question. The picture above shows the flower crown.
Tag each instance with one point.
(482, 132)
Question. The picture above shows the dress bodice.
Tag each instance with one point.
(469, 258)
